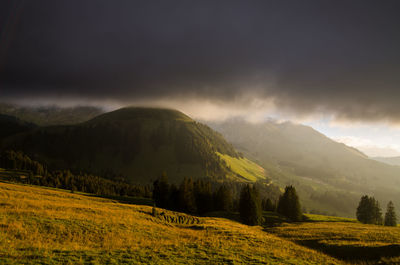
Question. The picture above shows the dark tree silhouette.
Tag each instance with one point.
(289, 204)
(186, 196)
(268, 205)
(36, 173)
(174, 197)
(250, 206)
(161, 191)
(369, 211)
(390, 215)
(223, 199)
(203, 196)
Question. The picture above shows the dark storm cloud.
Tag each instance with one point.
(339, 57)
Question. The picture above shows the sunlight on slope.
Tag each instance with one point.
(326, 218)
(345, 239)
(244, 167)
(39, 225)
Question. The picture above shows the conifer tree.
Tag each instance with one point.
(390, 215)
(203, 196)
(223, 199)
(268, 205)
(161, 191)
(363, 210)
(174, 198)
(369, 211)
(187, 200)
(377, 212)
(250, 206)
(289, 204)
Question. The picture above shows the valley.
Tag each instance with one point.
(199, 132)
(330, 176)
(99, 177)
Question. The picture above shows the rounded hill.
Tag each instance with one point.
(138, 143)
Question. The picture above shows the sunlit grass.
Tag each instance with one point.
(47, 226)
(244, 167)
(345, 239)
(325, 218)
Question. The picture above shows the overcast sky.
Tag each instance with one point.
(319, 62)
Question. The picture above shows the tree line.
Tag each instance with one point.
(369, 212)
(38, 174)
(199, 197)
(192, 196)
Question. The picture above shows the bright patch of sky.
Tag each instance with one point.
(372, 139)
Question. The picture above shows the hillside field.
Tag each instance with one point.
(48, 226)
(243, 167)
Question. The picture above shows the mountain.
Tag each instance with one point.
(11, 125)
(330, 176)
(394, 161)
(50, 115)
(140, 144)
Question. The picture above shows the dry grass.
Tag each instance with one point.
(351, 241)
(39, 225)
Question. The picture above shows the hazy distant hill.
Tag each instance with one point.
(330, 175)
(10, 125)
(394, 161)
(139, 143)
(50, 115)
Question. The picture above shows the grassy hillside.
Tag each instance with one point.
(329, 176)
(245, 168)
(47, 226)
(345, 239)
(139, 143)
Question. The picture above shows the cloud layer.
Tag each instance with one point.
(337, 58)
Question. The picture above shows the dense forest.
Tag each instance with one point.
(139, 143)
(32, 172)
(192, 196)
(199, 197)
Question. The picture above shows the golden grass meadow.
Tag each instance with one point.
(48, 226)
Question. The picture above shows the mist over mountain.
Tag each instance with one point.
(50, 115)
(142, 143)
(11, 125)
(329, 175)
(178, 105)
(394, 161)
(137, 143)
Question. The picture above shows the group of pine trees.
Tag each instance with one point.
(10, 159)
(36, 173)
(194, 197)
(369, 212)
(251, 207)
(199, 197)
(289, 204)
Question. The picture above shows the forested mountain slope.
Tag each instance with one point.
(10, 125)
(330, 175)
(138, 143)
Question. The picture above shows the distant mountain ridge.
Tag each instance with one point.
(50, 115)
(10, 125)
(394, 161)
(330, 175)
(140, 143)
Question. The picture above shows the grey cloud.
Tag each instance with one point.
(337, 57)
